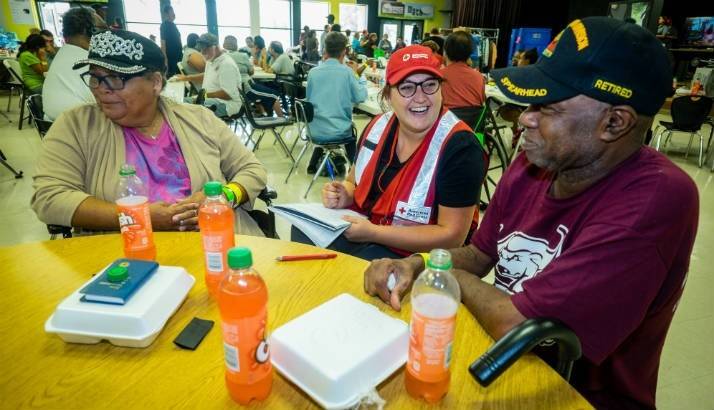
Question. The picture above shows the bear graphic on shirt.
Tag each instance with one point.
(521, 257)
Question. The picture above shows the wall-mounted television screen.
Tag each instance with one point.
(700, 31)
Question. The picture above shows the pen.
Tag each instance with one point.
(330, 170)
(289, 258)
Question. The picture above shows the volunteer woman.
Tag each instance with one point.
(418, 171)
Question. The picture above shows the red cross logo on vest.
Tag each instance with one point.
(402, 210)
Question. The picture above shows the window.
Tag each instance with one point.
(233, 19)
(190, 17)
(353, 17)
(144, 17)
(314, 14)
(276, 22)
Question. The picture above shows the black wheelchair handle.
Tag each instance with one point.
(520, 340)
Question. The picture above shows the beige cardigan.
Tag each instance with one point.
(84, 150)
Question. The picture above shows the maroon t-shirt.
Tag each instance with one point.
(610, 263)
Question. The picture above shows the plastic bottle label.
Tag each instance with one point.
(245, 342)
(215, 246)
(430, 343)
(135, 225)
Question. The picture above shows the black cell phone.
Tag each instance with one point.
(192, 335)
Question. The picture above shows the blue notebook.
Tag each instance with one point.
(119, 281)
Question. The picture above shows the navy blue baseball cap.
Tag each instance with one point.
(606, 59)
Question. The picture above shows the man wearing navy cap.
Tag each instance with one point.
(589, 226)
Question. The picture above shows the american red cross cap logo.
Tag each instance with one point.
(406, 57)
(402, 210)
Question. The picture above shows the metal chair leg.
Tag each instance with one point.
(282, 144)
(297, 161)
(701, 149)
(691, 137)
(22, 111)
(3, 161)
(318, 172)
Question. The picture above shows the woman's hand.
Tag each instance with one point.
(336, 196)
(174, 217)
(361, 230)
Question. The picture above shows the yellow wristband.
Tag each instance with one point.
(237, 191)
(424, 257)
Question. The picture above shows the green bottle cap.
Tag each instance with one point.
(213, 188)
(127, 170)
(240, 258)
(117, 274)
(440, 259)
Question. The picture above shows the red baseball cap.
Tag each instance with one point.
(409, 60)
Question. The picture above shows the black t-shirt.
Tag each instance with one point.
(172, 37)
(459, 173)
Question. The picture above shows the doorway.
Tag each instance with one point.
(401, 28)
(51, 18)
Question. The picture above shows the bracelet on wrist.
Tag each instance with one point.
(237, 192)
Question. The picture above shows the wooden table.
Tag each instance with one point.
(39, 370)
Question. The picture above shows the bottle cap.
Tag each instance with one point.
(117, 274)
(439, 259)
(127, 170)
(240, 258)
(213, 188)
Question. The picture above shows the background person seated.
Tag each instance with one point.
(333, 89)
(221, 78)
(280, 62)
(192, 60)
(463, 86)
(418, 171)
(175, 148)
(33, 64)
(63, 88)
(385, 44)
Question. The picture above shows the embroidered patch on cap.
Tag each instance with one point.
(611, 88)
(108, 44)
(523, 92)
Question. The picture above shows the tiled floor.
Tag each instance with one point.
(687, 369)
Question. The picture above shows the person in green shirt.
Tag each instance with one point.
(33, 65)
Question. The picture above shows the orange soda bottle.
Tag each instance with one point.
(215, 219)
(243, 302)
(435, 299)
(134, 216)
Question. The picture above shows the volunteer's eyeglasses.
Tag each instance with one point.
(408, 88)
(113, 82)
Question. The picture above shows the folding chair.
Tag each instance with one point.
(13, 67)
(37, 114)
(265, 124)
(304, 114)
(482, 122)
(688, 115)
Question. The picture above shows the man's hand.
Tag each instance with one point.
(335, 195)
(361, 230)
(376, 278)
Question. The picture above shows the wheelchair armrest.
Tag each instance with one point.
(520, 340)
(267, 195)
(65, 231)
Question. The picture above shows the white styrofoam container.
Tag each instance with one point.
(134, 324)
(340, 350)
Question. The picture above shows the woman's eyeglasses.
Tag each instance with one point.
(408, 88)
(113, 82)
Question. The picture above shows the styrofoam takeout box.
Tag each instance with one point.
(340, 350)
(134, 324)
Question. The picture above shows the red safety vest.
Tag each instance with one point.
(409, 197)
